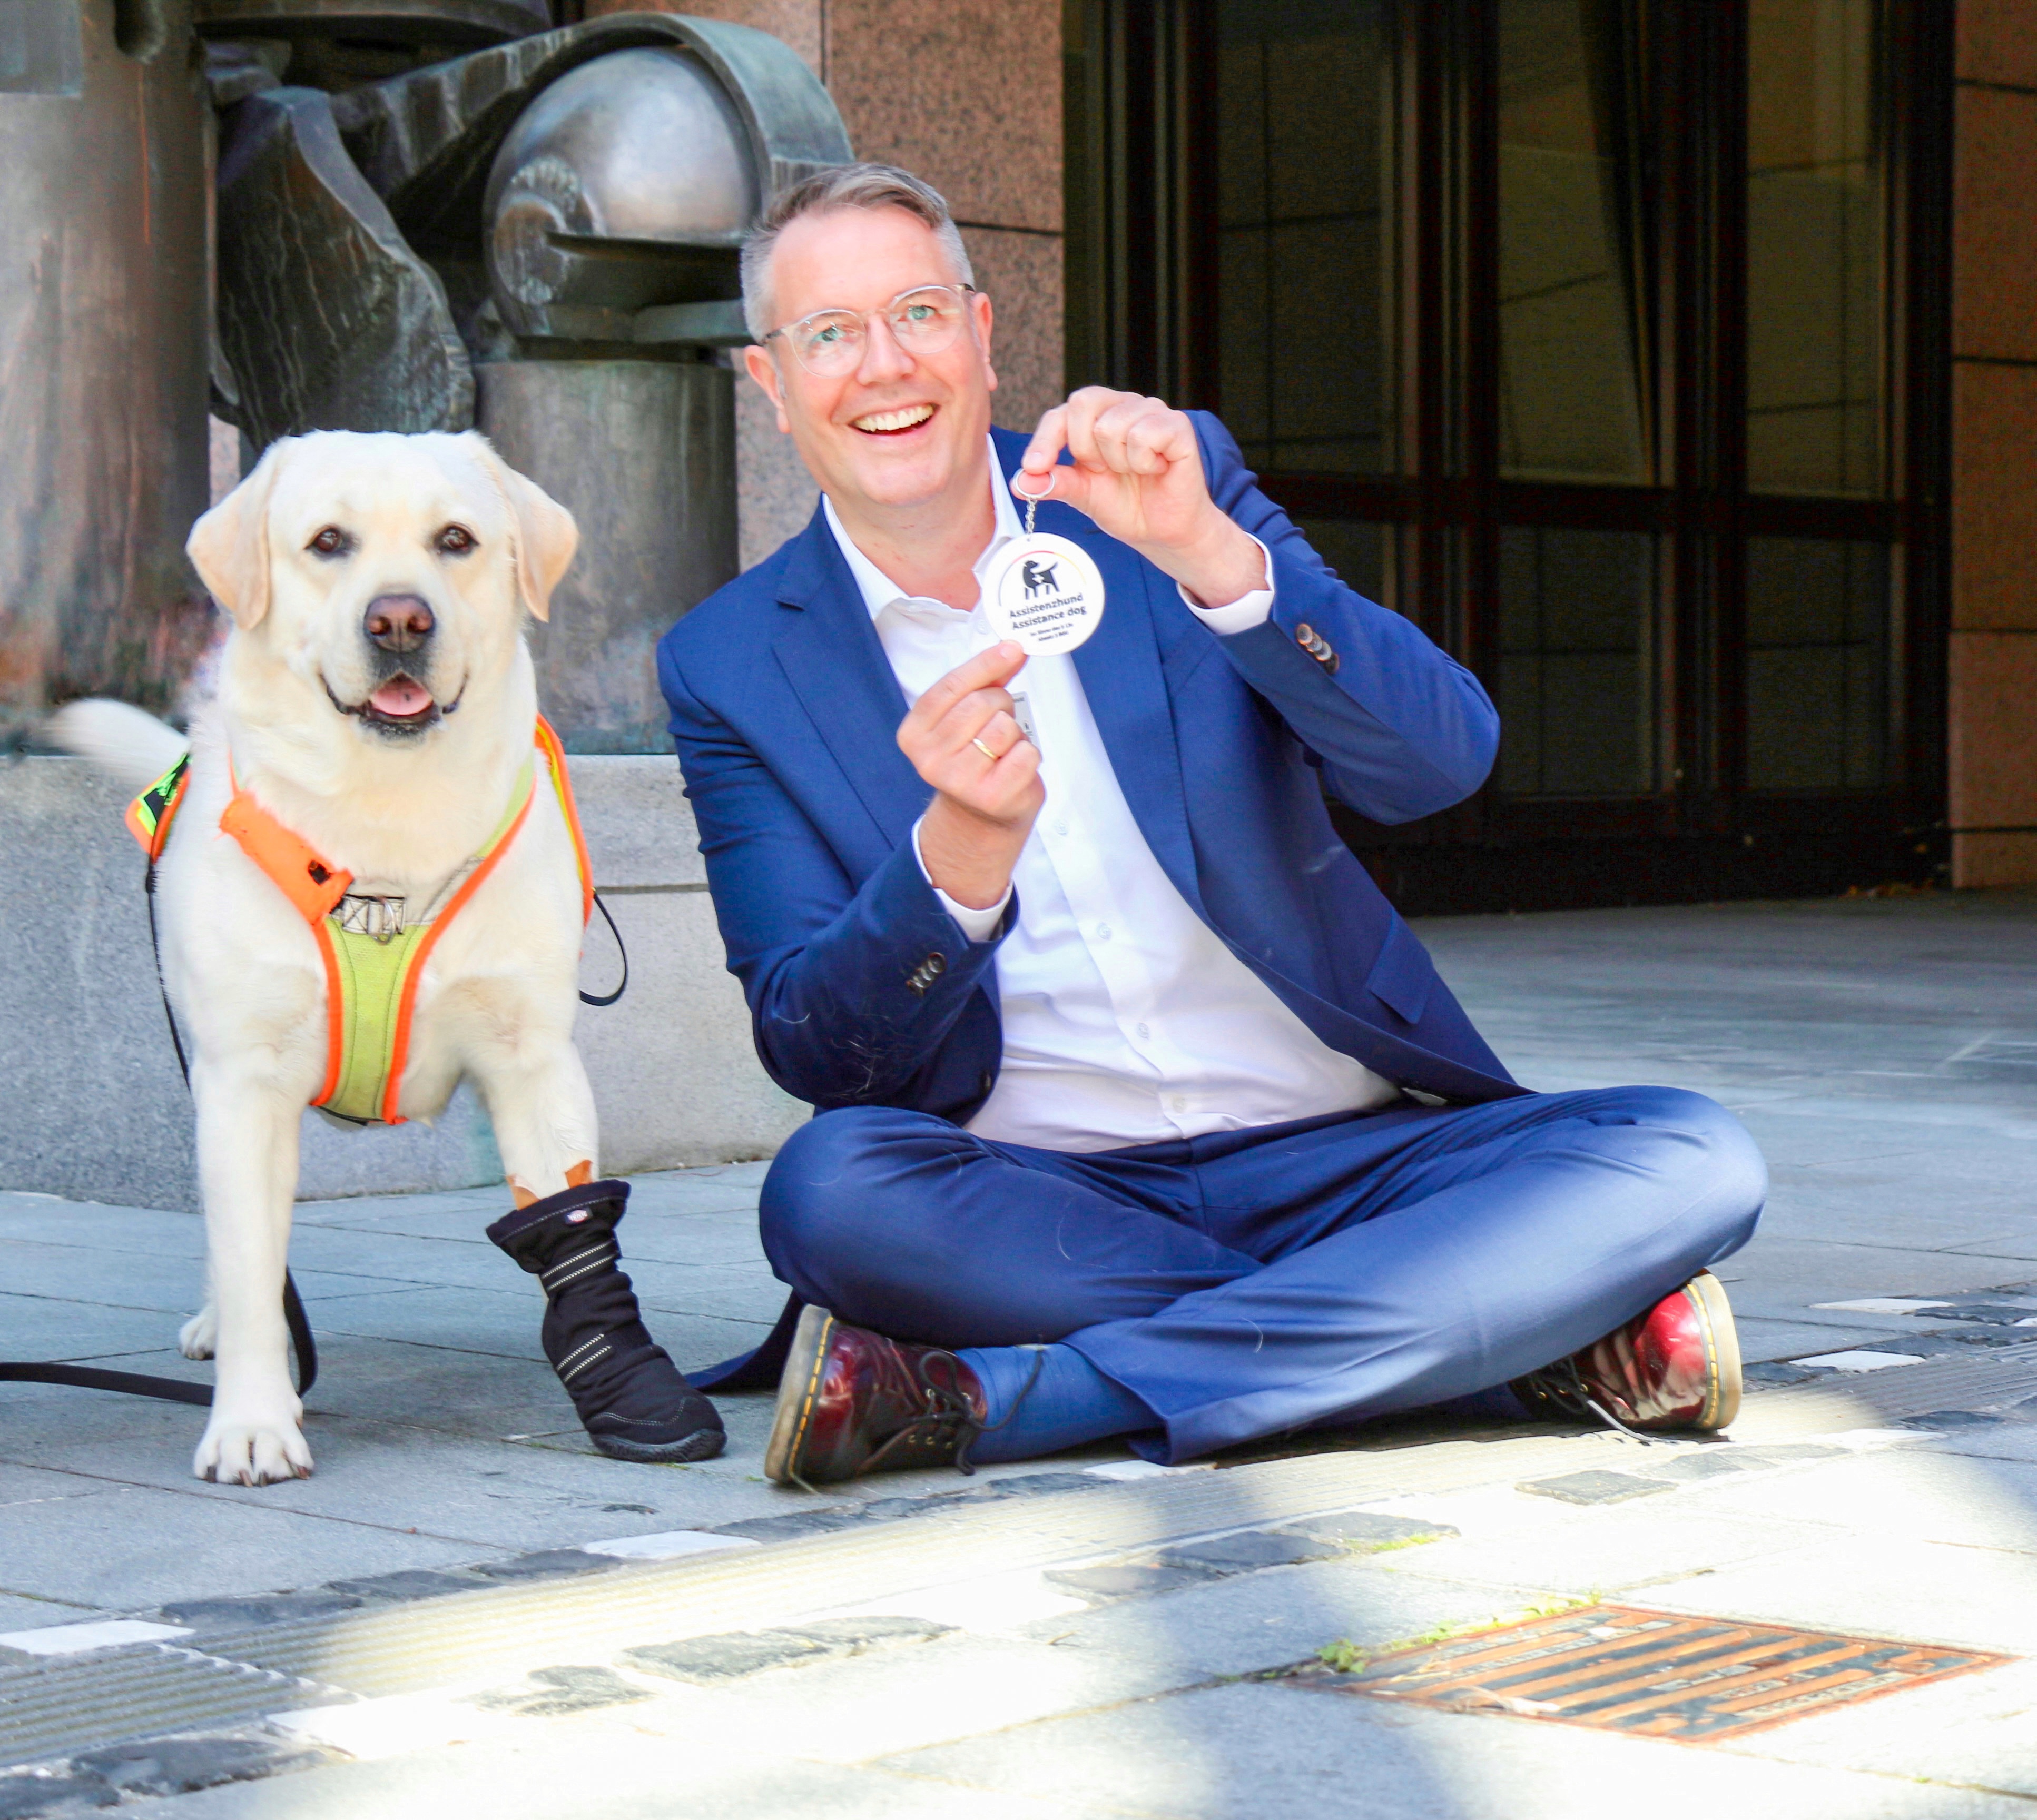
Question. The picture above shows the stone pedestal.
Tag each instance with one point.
(643, 453)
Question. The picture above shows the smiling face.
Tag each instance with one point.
(388, 573)
(901, 430)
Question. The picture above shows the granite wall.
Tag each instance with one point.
(1994, 653)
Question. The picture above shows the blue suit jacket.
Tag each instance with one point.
(862, 990)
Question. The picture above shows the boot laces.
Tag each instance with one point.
(948, 1420)
(1564, 1385)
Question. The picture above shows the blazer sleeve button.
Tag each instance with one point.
(1305, 634)
(934, 964)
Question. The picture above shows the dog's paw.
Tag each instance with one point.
(197, 1336)
(250, 1448)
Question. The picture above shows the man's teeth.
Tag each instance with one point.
(903, 419)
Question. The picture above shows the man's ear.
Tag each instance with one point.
(229, 545)
(758, 364)
(980, 304)
(546, 535)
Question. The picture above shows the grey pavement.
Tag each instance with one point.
(1882, 1052)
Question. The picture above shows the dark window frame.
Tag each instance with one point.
(1142, 286)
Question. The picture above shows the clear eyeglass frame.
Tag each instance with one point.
(830, 343)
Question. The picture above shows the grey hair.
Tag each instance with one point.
(842, 187)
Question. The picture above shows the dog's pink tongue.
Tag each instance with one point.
(399, 696)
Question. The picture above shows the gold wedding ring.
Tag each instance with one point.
(984, 749)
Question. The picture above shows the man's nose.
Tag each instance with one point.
(883, 358)
(398, 622)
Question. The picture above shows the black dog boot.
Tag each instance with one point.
(628, 1395)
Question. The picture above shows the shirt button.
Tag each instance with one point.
(1144, 1031)
(1060, 828)
(1178, 1104)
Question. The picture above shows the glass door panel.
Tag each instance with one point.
(1576, 695)
(1576, 309)
(1305, 230)
(1817, 664)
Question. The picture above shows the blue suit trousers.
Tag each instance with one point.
(1249, 1282)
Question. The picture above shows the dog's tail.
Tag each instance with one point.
(135, 747)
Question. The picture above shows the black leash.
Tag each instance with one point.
(171, 1389)
(610, 999)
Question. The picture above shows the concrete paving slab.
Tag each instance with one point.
(96, 1274)
(143, 1547)
(1267, 1620)
(1615, 1551)
(695, 1239)
(503, 1323)
(872, 1706)
(1237, 1752)
(1762, 1339)
(1920, 1592)
(642, 1778)
(2003, 1440)
(490, 1498)
(2018, 1247)
(1899, 1495)
(1822, 1270)
(1975, 1728)
(19, 1613)
(366, 1256)
(152, 1231)
(727, 1292)
(38, 1327)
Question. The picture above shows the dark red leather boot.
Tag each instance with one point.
(852, 1401)
(1677, 1366)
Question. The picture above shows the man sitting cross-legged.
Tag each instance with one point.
(1140, 1111)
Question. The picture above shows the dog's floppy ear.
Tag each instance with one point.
(546, 534)
(229, 545)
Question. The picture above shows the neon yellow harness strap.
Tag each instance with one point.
(378, 981)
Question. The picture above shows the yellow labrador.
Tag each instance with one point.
(376, 703)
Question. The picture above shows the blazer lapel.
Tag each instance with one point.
(830, 654)
(1121, 674)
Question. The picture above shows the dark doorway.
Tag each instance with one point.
(1607, 340)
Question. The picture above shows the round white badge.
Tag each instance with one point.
(1044, 594)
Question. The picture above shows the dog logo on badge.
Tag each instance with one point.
(1045, 595)
(1043, 592)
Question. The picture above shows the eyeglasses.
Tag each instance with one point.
(925, 320)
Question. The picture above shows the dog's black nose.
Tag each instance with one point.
(397, 622)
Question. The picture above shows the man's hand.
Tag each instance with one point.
(1139, 474)
(962, 739)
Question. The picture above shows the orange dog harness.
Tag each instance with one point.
(371, 973)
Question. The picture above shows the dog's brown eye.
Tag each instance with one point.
(456, 540)
(330, 541)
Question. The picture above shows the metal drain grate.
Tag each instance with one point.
(1649, 1674)
(137, 1692)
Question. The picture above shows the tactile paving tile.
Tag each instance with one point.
(1699, 1680)
(152, 1688)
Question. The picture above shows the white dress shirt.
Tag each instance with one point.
(1126, 1020)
